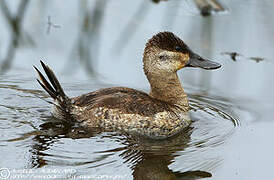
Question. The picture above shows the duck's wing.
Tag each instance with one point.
(126, 100)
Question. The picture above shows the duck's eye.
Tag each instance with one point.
(162, 57)
(178, 48)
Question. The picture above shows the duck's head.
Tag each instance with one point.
(167, 53)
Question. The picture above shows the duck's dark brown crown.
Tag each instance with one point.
(167, 41)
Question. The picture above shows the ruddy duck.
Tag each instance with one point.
(160, 114)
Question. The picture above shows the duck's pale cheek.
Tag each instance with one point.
(179, 65)
(182, 60)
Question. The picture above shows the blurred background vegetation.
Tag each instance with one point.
(105, 38)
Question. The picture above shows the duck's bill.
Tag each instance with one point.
(197, 61)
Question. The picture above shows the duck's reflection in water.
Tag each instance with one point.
(148, 159)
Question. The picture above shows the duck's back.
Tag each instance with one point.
(127, 110)
(126, 100)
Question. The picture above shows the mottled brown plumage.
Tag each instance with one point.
(160, 114)
(128, 101)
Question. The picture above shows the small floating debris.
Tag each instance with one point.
(157, 1)
(207, 7)
(233, 55)
(256, 59)
(51, 24)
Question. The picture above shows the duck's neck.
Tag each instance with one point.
(167, 87)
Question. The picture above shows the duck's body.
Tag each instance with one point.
(160, 114)
(130, 111)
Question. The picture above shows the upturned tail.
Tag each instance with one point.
(55, 90)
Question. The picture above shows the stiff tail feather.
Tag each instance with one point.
(54, 89)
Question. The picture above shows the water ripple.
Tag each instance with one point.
(50, 143)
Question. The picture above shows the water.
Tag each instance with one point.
(231, 108)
